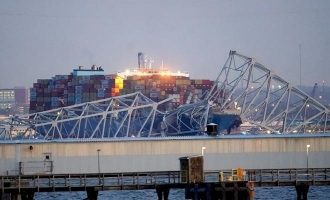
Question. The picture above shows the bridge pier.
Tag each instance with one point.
(162, 192)
(302, 191)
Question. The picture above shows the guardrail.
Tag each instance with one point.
(288, 177)
(275, 177)
(75, 182)
(150, 180)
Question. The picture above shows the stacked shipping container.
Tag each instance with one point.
(65, 90)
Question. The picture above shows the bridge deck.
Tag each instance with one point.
(152, 180)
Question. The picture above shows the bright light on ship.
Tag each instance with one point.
(150, 72)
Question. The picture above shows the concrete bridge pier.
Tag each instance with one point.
(162, 192)
(302, 191)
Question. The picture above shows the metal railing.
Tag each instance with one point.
(274, 177)
(284, 177)
(150, 180)
(106, 181)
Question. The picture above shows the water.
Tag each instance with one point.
(269, 193)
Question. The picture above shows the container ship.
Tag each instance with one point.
(84, 85)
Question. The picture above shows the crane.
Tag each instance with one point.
(314, 90)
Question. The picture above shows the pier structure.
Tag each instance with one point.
(221, 184)
(161, 154)
(153, 163)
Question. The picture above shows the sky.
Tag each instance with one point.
(42, 38)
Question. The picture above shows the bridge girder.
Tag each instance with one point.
(130, 115)
(265, 99)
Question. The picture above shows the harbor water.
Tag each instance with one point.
(269, 193)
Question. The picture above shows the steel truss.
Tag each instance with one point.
(243, 85)
(131, 115)
(265, 99)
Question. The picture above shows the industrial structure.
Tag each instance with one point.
(131, 115)
(243, 86)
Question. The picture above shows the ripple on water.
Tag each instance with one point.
(269, 193)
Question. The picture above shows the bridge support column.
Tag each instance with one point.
(163, 192)
(302, 191)
(91, 194)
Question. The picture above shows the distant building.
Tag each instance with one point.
(14, 101)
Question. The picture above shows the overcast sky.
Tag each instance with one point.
(41, 38)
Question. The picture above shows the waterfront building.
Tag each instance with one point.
(14, 101)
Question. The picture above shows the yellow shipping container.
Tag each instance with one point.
(119, 82)
(121, 86)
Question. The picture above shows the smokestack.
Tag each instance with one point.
(141, 60)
